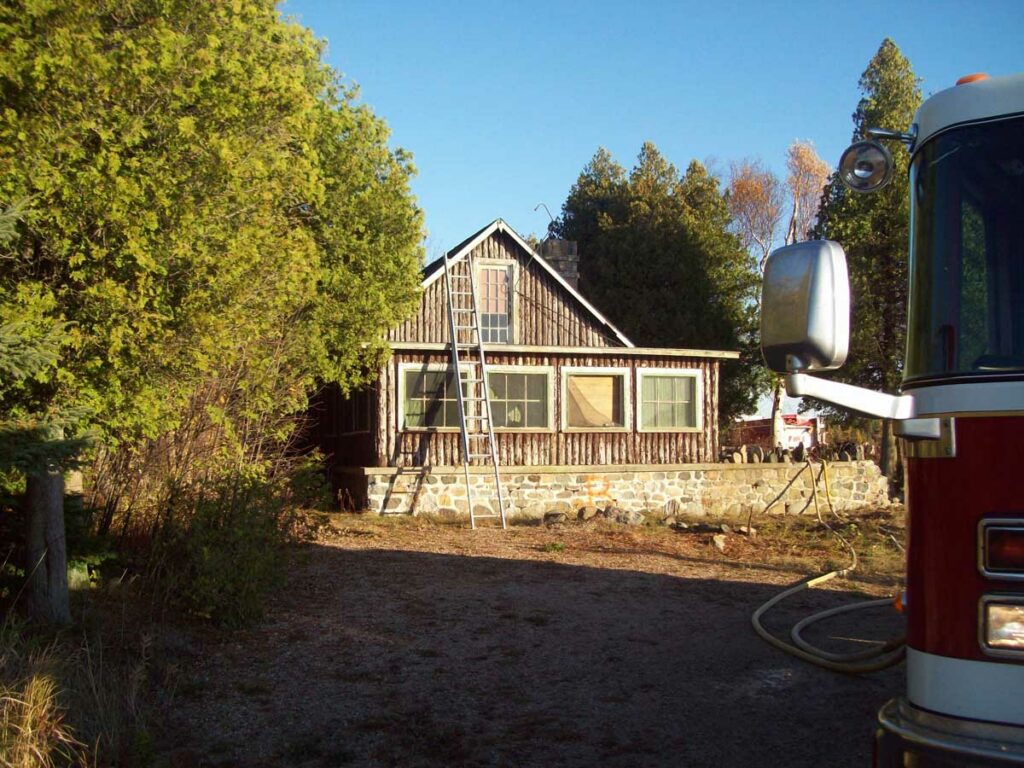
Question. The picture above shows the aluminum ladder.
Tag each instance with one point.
(474, 402)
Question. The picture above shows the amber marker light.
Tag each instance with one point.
(1005, 550)
(972, 78)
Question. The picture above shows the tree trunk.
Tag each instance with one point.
(888, 458)
(47, 553)
(778, 423)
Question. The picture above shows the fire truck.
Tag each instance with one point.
(959, 413)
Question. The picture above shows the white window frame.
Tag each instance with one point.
(698, 396)
(549, 371)
(627, 404)
(513, 304)
(403, 368)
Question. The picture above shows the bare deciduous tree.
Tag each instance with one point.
(756, 199)
(808, 174)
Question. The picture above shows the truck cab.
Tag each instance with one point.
(960, 412)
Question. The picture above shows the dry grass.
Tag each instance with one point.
(77, 697)
(33, 730)
(789, 546)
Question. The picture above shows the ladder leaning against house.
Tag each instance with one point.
(476, 426)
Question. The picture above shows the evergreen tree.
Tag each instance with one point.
(217, 226)
(657, 257)
(32, 433)
(874, 231)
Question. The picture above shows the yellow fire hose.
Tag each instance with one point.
(873, 660)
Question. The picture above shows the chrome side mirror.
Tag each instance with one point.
(866, 166)
(805, 308)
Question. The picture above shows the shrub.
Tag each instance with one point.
(219, 558)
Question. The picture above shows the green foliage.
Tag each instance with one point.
(31, 431)
(215, 228)
(209, 203)
(218, 555)
(657, 257)
(874, 229)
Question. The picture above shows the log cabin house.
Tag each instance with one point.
(581, 415)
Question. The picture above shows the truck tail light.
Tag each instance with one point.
(1001, 548)
(1002, 625)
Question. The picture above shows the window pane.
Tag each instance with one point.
(517, 386)
(498, 413)
(648, 389)
(664, 388)
(595, 401)
(434, 383)
(537, 386)
(498, 385)
(451, 414)
(672, 404)
(537, 415)
(679, 389)
(647, 416)
(516, 414)
(664, 418)
(414, 384)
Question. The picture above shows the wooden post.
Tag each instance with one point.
(47, 551)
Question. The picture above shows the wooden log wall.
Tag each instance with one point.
(545, 313)
(418, 448)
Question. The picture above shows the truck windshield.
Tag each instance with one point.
(966, 314)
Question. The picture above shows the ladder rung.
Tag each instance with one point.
(463, 309)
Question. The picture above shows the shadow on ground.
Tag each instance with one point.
(376, 657)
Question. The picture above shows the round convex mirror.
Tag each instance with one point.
(865, 166)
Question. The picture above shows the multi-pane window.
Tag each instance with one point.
(353, 414)
(595, 400)
(668, 400)
(495, 304)
(519, 400)
(431, 399)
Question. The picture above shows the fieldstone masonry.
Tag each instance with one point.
(717, 490)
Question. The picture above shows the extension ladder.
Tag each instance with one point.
(474, 402)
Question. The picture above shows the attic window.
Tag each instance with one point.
(495, 304)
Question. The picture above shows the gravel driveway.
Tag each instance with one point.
(431, 645)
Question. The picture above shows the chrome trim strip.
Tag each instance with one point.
(902, 718)
(981, 397)
(978, 690)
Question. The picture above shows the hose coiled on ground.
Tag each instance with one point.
(859, 662)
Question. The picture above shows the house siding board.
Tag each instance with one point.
(545, 313)
(419, 448)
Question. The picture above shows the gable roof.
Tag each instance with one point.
(435, 269)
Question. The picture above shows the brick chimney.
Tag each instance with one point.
(563, 256)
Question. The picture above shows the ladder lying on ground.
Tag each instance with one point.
(478, 445)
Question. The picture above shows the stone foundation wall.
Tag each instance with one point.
(717, 490)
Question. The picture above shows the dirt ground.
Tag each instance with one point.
(424, 644)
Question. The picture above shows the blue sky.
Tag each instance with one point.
(502, 104)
